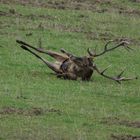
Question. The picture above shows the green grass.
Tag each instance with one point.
(26, 83)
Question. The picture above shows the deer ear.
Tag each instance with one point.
(91, 57)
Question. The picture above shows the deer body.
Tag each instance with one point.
(73, 70)
(71, 67)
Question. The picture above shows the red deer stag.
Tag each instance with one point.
(68, 66)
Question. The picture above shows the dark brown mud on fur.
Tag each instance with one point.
(117, 121)
(124, 137)
(28, 112)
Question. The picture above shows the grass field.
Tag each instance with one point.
(34, 104)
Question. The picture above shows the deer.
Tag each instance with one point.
(69, 66)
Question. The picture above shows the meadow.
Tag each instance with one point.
(35, 104)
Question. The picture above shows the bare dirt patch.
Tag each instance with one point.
(62, 5)
(117, 121)
(89, 35)
(14, 13)
(2, 13)
(99, 35)
(106, 36)
(94, 6)
(27, 112)
(129, 11)
(130, 40)
(124, 137)
(138, 1)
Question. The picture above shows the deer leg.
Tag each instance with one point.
(69, 76)
(58, 56)
(52, 66)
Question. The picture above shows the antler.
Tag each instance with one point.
(91, 53)
(117, 78)
(106, 49)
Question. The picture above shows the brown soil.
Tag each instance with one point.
(129, 11)
(75, 4)
(70, 4)
(13, 13)
(138, 1)
(130, 40)
(117, 121)
(106, 36)
(94, 6)
(28, 112)
(61, 27)
(124, 137)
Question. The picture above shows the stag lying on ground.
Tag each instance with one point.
(68, 66)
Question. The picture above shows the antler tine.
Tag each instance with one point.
(106, 49)
(110, 41)
(125, 44)
(105, 69)
(90, 53)
(128, 48)
(117, 78)
(120, 74)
